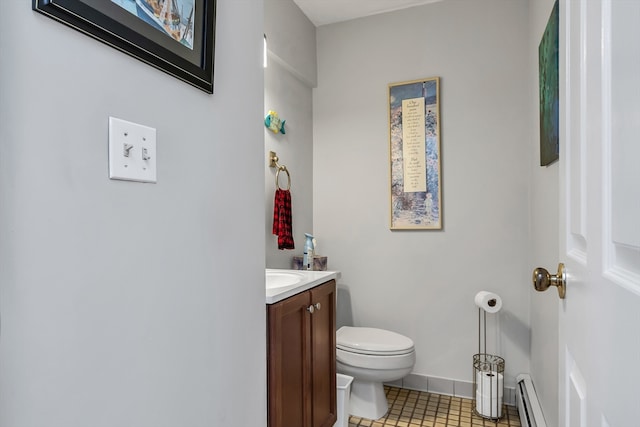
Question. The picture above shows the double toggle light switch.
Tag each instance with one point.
(132, 151)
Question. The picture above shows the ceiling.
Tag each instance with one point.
(322, 12)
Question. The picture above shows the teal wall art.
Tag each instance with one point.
(548, 59)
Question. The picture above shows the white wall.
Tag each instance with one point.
(127, 304)
(422, 283)
(288, 80)
(544, 234)
(292, 39)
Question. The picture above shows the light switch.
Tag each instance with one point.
(132, 151)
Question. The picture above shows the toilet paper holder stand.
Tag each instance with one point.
(488, 376)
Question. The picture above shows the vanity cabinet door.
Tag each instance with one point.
(301, 359)
(289, 361)
(323, 355)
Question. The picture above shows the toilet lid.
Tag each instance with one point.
(372, 341)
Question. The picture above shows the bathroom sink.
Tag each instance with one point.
(280, 279)
(281, 283)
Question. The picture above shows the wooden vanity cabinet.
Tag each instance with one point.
(301, 359)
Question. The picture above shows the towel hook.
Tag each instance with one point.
(273, 162)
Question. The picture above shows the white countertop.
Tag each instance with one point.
(308, 280)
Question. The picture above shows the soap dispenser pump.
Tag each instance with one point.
(307, 259)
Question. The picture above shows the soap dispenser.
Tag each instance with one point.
(307, 259)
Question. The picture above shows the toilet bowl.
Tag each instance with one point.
(372, 356)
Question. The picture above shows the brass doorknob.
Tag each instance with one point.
(542, 280)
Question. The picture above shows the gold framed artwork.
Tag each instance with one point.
(414, 151)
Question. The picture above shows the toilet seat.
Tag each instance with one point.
(372, 341)
(376, 362)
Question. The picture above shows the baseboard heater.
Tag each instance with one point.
(527, 403)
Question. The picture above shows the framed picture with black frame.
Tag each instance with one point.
(175, 36)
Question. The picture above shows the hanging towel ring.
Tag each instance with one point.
(273, 162)
(283, 168)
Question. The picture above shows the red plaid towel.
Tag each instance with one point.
(282, 219)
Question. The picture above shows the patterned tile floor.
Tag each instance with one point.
(409, 408)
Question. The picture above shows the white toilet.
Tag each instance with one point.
(372, 356)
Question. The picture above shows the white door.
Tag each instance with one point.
(600, 213)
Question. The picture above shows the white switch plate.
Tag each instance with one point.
(132, 151)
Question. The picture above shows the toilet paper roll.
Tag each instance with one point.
(489, 384)
(488, 301)
(487, 407)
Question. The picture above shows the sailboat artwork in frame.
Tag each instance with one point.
(175, 36)
(414, 149)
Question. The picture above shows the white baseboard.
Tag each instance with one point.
(446, 386)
